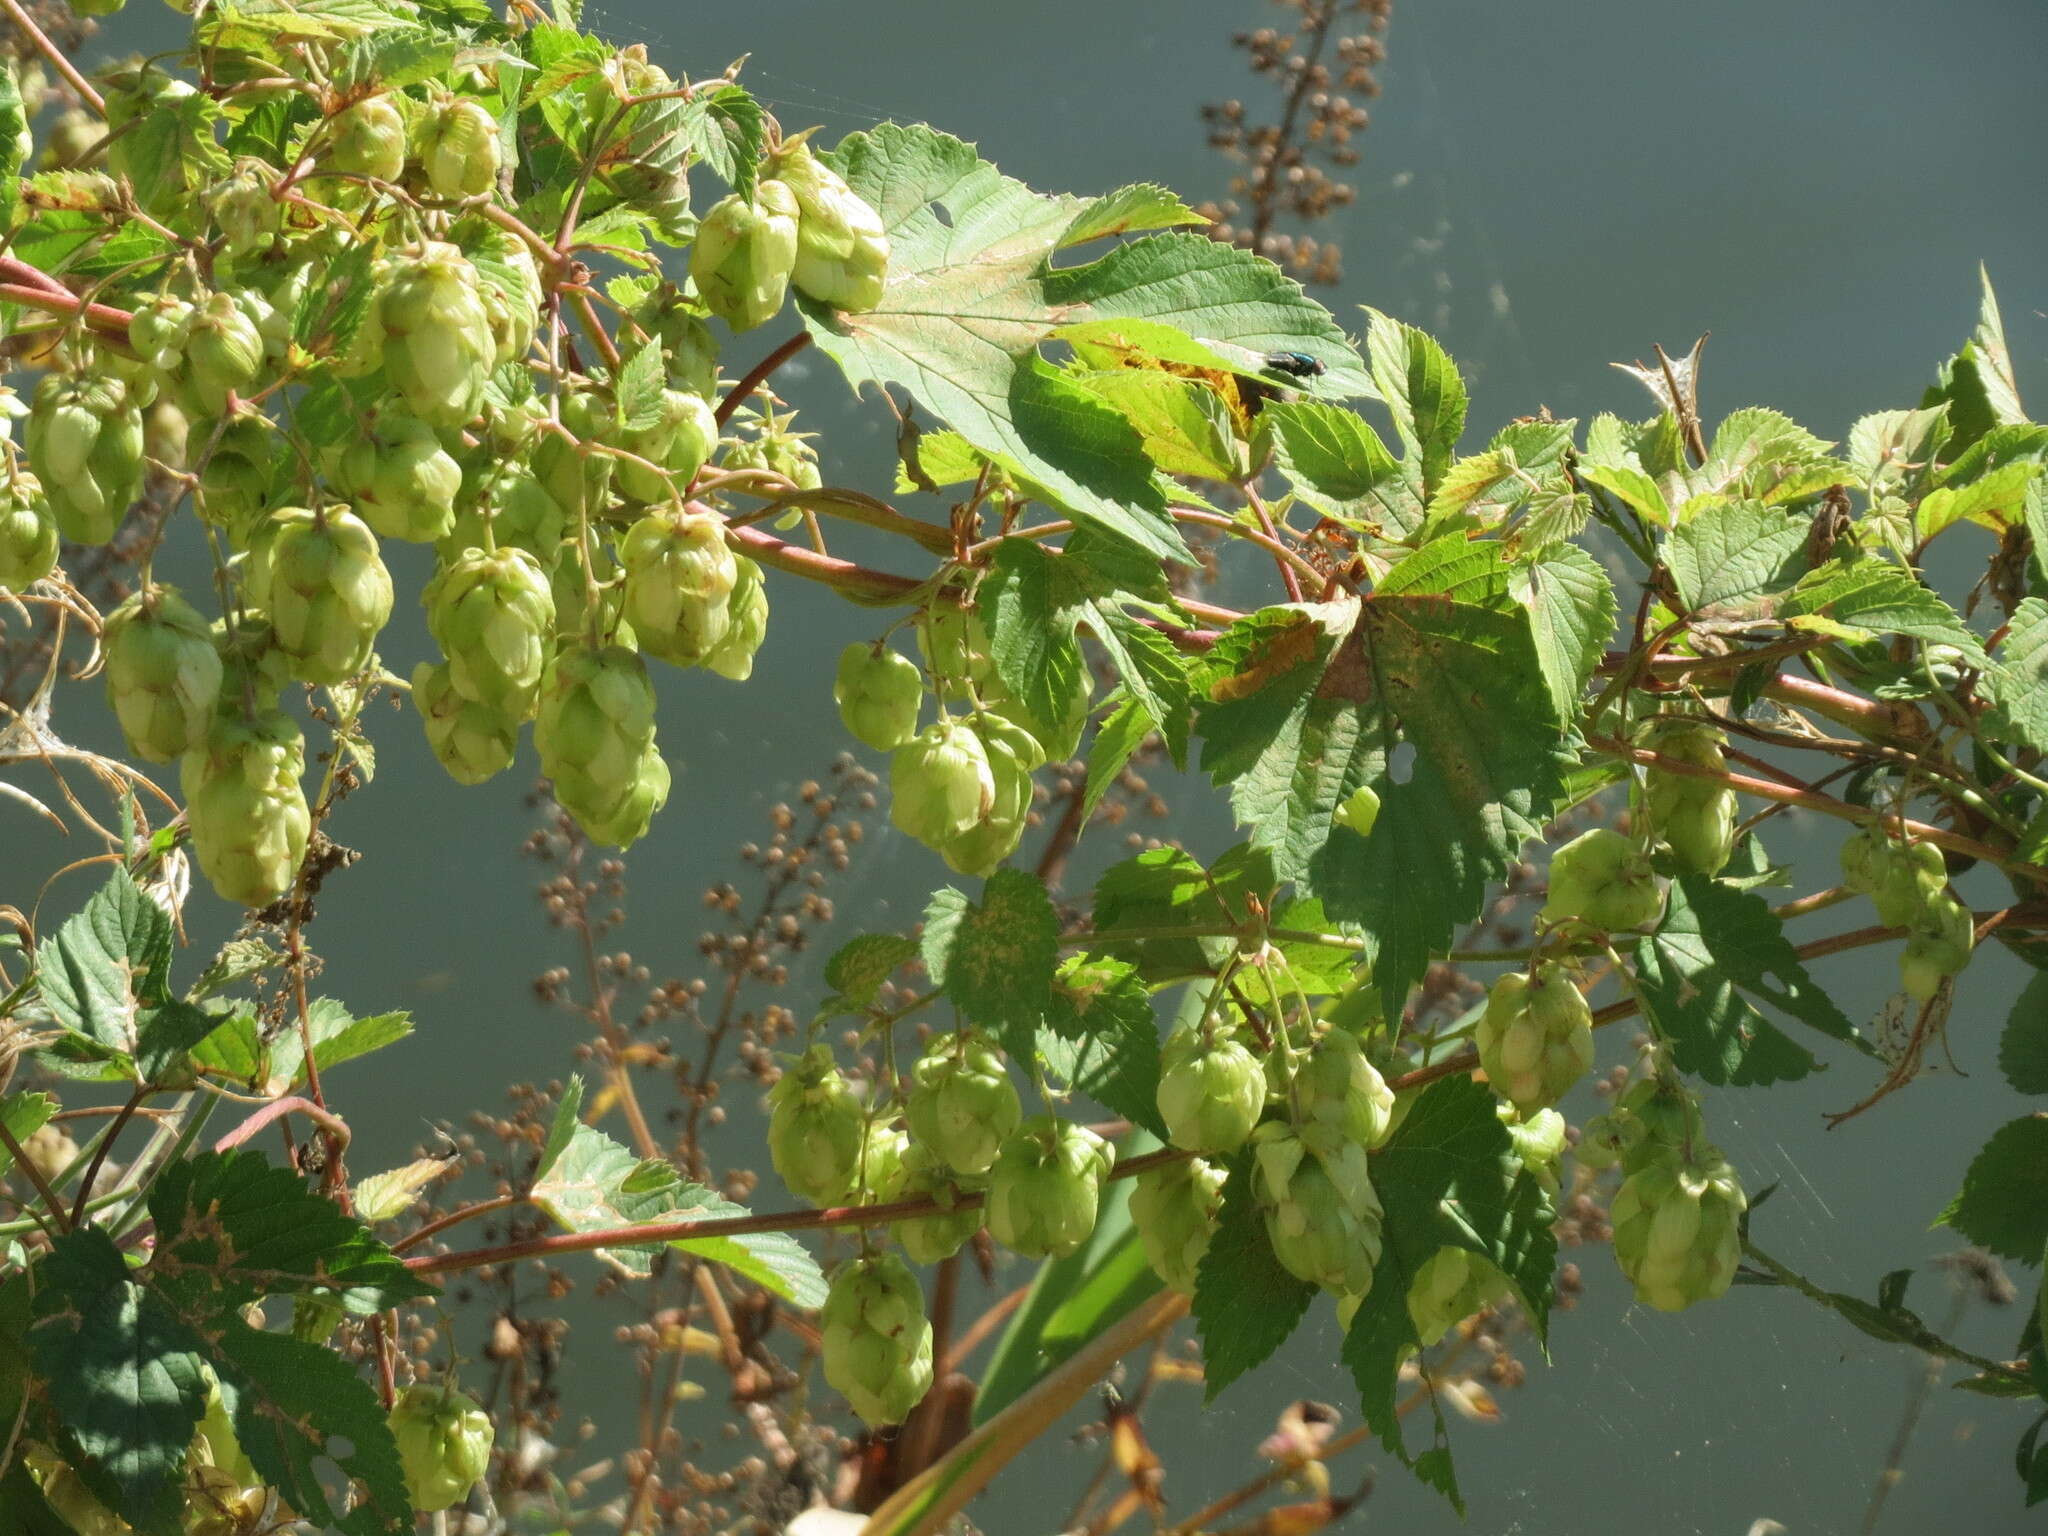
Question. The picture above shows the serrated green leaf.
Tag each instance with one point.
(1631, 486)
(2003, 1204)
(164, 1035)
(333, 309)
(595, 1184)
(1714, 946)
(1735, 554)
(858, 967)
(1101, 1038)
(338, 1037)
(1890, 450)
(23, 1114)
(1128, 211)
(1756, 452)
(727, 129)
(1978, 384)
(1420, 385)
(389, 1195)
(1996, 500)
(995, 960)
(105, 963)
(1116, 740)
(640, 384)
(1246, 1304)
(263, 25)
(568, 1115)
(2023, 1048)
(1167, 888)
(395, 58)
(1336, 463)
(13, 135)
(236, 960)
(2017, 684)
(1863, 597)
(1572, 609)
(1184, 424)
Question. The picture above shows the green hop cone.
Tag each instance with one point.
(1057, 742)
(163, 673)
(1045, 1186)
(636, 813)
(1536, 1037)
(250, 218)
(520, 514)
(679, 578)
(815, 1128)
(579, 482)
(1654, 1121)
(246, 808)
(594, 729)
(320, 578)
(512, 293)
(1539, 1143)
(471, 740)
(158, 328)
(1012, 753)
(680, 442)
(743, 254)
(940, 782)
(28, 533)
(235, 485)
(1694, 816)
(1322, 1214)
(444, 1444)
(1676, 1229)
(919, 1175)
(1342, 1097)
(1602, 879)
(878, 692)
(842, 254)
(437, 344)
(689, 351)
(1452, 1284)
(85, 446)
(879, 1165)
(223, 354)
(1360, 811)
(746, 625)
(1943, 936)
(493, 616)
(954, 645)
(877, 1341)
(1902, 879)
(1175, 1209)
(253, 671)
(401, 481)
(1211, 1090)
(366, 138)
(962, 1104)
(458, 148)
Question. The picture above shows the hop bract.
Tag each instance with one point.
(85, 446)
(1536, 1037)
(842, 255)
(593, 729)
(163, 673)
(940, 782)
(320, 578)
(1601, 878)
(746, 624)
(743, 255)
(471, 740)
(815, 1128)
(28, 533)
(962, 1104)
(1045, 1186)
(1322, 1214)
(245, 805)
(1676, 1229)
(877, 1340)
(679, 578)
(1175, 1209)
(444, 1444)
(1211, 1090)
(878, 692)
(493, 616)
(223, 354)
(1694, 816)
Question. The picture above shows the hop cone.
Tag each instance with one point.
(471, 740)
(1322, 1214)
(1175, 1209)
(679, 576)
(815, 1128)
(680, 442)
(319, 577)
(85, 446)
(444, 1443)
(579, 482)
(877, 1341)
(438, 348)
(235, 484)
(366, 139)
(458, 148)
(962, 1104)
(1536, 1037)
(249, 217)
(1045, 1186)
(28, 533)
(954, 645)
(402, 482)
(1676, 1229)
(743, 254)
(163, 673)
(940, 783)
(1943, 936)
(253, 671)
(513, 504)
(1012, 753)
(1211, 1090)
(223, 354)
(247, 812)
(919, 1175)
(1600, 878)
(493, 616)
(1343, 1099)
(842, 255)
(878, 692)
(629, 823)
(158, 329)
(1452, 1284)
(1539, 1143)
(746, 625)
(1694, 816)
(595, 725)
(689, 351)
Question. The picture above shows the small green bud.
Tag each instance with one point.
(1175, 1209)
(962, 1104)
(743, 253)
(1322, 1214)
(815, 1128)
(28, 533)
(1359, 812)
(247, 812)
(163, 673)
(1211, 1090)
(1939, 947)
(1536, 1037)
(458, 148)
(444, 1444)
(1602, 879)
(878, 692)
(471, 740)
(1045, 1186)
(1676, 1230)
(877, 1342)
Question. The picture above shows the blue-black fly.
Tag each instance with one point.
(1299, 364)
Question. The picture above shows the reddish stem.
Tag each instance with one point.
(737, 396)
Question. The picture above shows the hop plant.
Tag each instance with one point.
(85, 446)
(877, 1342)
(1322, 1214)
(163, 673)
(594, 728)
(680, 577)
(962, 1105)
(402, 481)
(1677, 1229)
(1694, 816)
(366, 138)
(458, 148)
(920, 1175)
(746, 624)
(235, 482)
(1045, 1186)
(1175, 1209)
(471, 740)
(28, 532)
(680, 441)
(1536, 1037)
(815, 1128)
(444, 1444)
(244, 803)
(1539, 1143)
(1211, 1092)
(1341, 1098)
(1452, 1284)
(1601, 878)
(436, 335)
(842, 254)
(878, 692)
(743, 254)
(320, 578)
(493, 616)
(940, 783)
(689, 352)
(1012, 752)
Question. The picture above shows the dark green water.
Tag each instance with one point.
(1547, 189)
